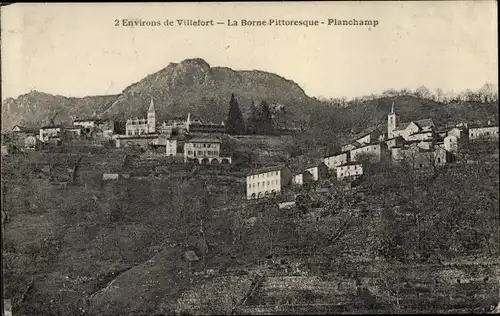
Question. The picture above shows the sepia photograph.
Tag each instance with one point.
(250, 158)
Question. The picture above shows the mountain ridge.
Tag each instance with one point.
(191, 85)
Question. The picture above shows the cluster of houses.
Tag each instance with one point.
(171, 134)
(417, 143)
(176, 135)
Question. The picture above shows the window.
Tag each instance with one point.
(204, 145)
(267, 182)
(439, 159)
(190, 152)
(200, 152)
(471, 134)
(258, 184)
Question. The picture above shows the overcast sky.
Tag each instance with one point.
(74, 49)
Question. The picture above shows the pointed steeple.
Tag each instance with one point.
(392, 108)
(188, 121)
(151, 106)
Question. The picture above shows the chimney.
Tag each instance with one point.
(489, 122)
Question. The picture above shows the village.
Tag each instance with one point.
(252, 166)
(183, 140)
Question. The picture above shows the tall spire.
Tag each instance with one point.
(151, 106)
(392, 108)
(188, 121)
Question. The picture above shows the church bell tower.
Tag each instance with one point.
(151, 117)
(391, 122)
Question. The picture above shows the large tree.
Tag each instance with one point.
(253, 119)
(265, 119)
(234, 123)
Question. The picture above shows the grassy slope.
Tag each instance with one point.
(74, 242)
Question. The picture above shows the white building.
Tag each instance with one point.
(298, 179)
(96, 127)
(267, 182)
(351, 145)
(75, 131)
(349, 170)
(417, 157)
(204, 151)
(138, 127)
(336, 160)
(394, 142)
(30, 142)
(171, 145)
(485, 131)
(47, 132)
(85, 123)
(179, 124)
(451, 143)
(375, 151)
(458, 132)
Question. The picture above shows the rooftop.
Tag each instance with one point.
(204, 140)
(397, 137)
(266, 169)
(368, 131)
(351, 163)
(138, 136)
(23, 129)
(483, 126)
(425, 122)
(421, 132)
(420, 123)
(89, 120)
(338, 153)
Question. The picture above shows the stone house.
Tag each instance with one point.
(337, 159)
(349, 170)
(376, 152)
(268, 181)
(204, 151)
(487, 131)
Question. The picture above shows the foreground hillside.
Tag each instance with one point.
(187, 242)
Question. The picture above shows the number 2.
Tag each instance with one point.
(117, 22)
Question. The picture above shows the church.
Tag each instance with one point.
(421, 130)
(138, 127)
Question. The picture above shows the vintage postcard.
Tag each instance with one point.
(250, 158)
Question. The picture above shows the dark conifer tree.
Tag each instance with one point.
(253, 119)
(265, 122)
(234, 123)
